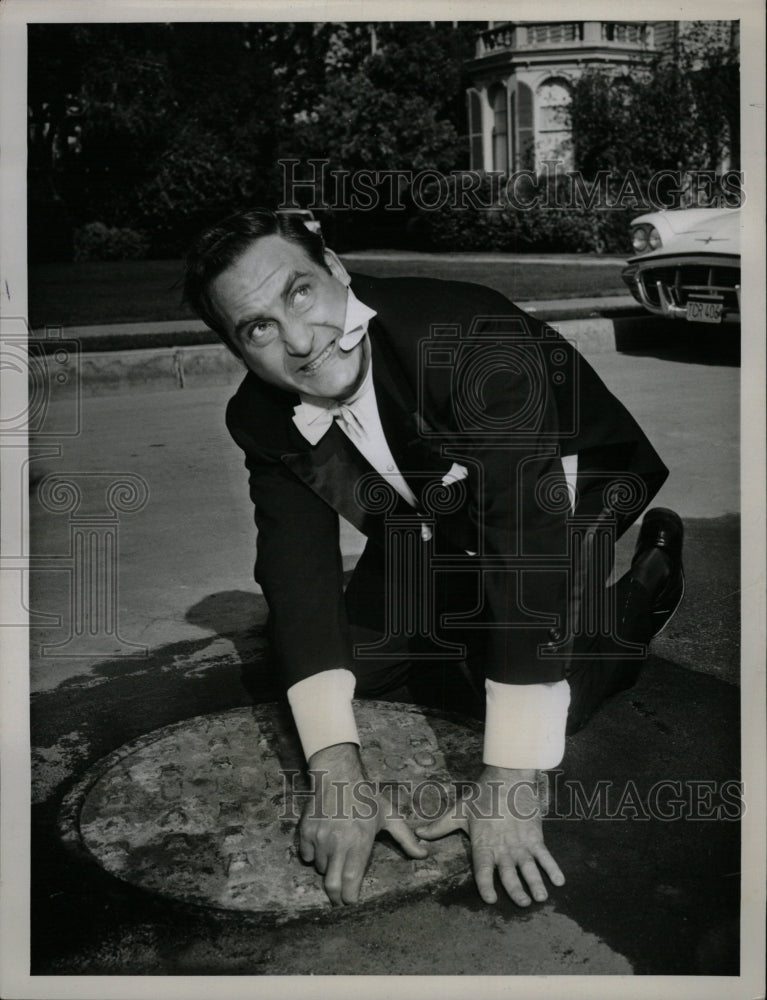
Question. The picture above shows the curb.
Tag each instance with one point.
(99, 373)
(102, 373)
(605, 335)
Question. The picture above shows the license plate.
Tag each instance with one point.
(704, 312)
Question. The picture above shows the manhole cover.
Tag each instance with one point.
(206, 811)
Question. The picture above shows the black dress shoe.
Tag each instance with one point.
(650, 594)
(657, 568)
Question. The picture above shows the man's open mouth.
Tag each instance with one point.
(312, 366)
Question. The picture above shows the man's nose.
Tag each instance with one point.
(298, 339)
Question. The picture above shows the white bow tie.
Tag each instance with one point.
(314, 419)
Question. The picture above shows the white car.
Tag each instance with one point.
(687, 264)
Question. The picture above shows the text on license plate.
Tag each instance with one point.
(704, 312)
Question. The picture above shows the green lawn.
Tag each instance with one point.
(91, 292)
(81, 294)
(518, 280)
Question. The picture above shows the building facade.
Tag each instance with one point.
(523, 72)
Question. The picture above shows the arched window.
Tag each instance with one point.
(498, 97)
(475, 130)
(554, 129)
(525, 136)
(554, 106)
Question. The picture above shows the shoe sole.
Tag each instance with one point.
(665, 625)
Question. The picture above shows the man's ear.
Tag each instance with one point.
(337, 269)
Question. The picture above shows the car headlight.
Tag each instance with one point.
(644, 238)
(653, 239)
(639, 239)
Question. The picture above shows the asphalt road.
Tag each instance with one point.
(185, 599)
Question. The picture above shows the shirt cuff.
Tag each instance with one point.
(525, 724)
(322, 710)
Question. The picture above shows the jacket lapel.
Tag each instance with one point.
(417, 456)
(333, 468)
(415, 442)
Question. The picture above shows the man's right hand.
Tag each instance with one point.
(340, 823)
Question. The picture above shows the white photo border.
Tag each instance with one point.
(15, 981)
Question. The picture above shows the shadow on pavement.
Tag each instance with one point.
(676, 340)
(659, 873)
(240, 616)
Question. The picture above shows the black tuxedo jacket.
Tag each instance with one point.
(460, 374)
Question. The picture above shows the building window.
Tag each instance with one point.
(554, 106)
(554, 127)
(499, 103)
(525, 136)
(476, 159)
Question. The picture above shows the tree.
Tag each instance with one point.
(393, 98)
(159, 127)
(398, 105)
(164, 127)
(677, 112)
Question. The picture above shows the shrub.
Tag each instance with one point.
(532, 225)
(95, 241)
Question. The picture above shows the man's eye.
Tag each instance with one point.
(301, 294)
(260, 330)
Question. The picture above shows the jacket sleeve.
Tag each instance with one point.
(300, 570)
(298, 566)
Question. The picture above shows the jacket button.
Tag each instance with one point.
(555, 634)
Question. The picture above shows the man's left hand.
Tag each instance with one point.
(504, 823)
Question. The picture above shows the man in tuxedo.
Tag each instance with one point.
(444, 423)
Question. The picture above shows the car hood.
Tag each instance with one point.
(695, 230)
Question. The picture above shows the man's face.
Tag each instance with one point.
(285, 314)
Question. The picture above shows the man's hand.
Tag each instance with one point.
(503, 822)
(341, 821)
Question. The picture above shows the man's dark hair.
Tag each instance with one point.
(220, 245)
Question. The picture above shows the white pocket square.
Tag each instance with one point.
(454, 474)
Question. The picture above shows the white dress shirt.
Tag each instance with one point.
(525, 723)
